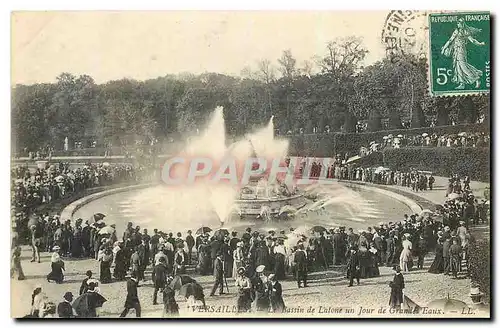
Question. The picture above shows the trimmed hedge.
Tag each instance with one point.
(442, 161)
(327, 145)
(479, 266)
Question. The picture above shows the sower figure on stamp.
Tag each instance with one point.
(456, 47)
(353, 265)
(132, 300)
(300, 260)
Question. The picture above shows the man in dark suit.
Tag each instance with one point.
(446, 255)
(132, 300)
(218, 275)
(64, 309)
(300, 260)
(155, 241)
(190, 244)
(353, 266)
(159, 277)
(391, 248)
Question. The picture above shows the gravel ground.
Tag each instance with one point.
(326, 294)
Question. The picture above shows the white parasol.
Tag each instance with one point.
(453, 196)
(424, 134)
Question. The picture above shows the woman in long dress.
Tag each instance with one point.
(57, 266)
(170, 307)
(456, 47)
(244, 285)
(280, 260)
(237, 259)
(405, 256)
(397, 285)
(374, 261)
(277, 305)
(36, 302)
(105, 272)
(437, 265)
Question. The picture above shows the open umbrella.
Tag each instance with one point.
(81, 304)
(400, 136)
(106, 230)
(426, 211)
(462, 134)
(192, 289)
(203, 230)
(99, 216)
(32, 222)
(221, 233)
(287, 209)
(453, 196)
(105, 164)
(424, 134)
(318, 229)
(180, 281)
(448, 305)
(385, 137)
(381, 169)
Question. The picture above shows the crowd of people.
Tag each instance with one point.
(463, 139)
(257, 260)
(32, 188)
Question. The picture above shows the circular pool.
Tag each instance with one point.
(169, 210)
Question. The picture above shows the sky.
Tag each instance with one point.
(143, 45)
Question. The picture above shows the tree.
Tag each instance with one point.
(418, 117)
(350, 123)
(394, 117)
(374, 121)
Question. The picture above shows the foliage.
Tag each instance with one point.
(333, 92)
(479, 266)
(443, 161)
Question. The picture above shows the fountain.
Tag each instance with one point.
(259, 198)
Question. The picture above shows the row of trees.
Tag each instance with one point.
(333, 90)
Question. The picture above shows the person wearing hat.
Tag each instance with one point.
(353, 265)
(179, 260)
(406, 256)
(135, 263)
(339, 247)
(446, 253)
(84, 286)
(57, 266)
(238, 258)
(36, 301)
(261, 292)
(121, 265)
(218, 275)
(280, 258)
(64, 309)
(455, 257)
(132, 300)
(190, 242)
(170, 306)
(244, 285)
(276, 303)
(397, 285)
(300, 260)
(159, 277)
(16, 264)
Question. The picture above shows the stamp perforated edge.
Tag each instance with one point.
(445, 94)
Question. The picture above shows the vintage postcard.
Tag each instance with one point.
(315, 164)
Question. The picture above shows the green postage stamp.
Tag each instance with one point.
(459, 58)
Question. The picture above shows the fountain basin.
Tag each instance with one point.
(253, 207)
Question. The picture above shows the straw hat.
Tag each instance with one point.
(260, 268)
(241, 270)
(474, 291)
